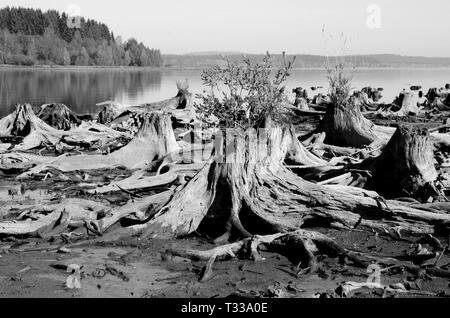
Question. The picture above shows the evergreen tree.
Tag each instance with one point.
(29, 36)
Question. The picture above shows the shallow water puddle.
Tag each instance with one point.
(13, 192)
(142, 276)
(13, 197)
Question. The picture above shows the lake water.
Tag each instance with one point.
(81, 89)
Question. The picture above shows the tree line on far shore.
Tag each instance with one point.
(30, 37)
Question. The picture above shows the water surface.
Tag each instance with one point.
(81, 89)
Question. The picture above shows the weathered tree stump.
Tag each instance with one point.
(243, 190)
(372, 93)
(320, 99)
(362, 100)
(301, 98)
(184, 96)
(36, 133)
(406, 168)
(59, 116)
(107, 115)
(345, 125)
(24, 123)
(179, 106)
(244, 196)
(407, 103)
(155, 139)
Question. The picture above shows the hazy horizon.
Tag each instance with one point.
(200, 53)
(254, 27)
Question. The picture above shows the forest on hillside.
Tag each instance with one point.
(208, 59)
(30, 37)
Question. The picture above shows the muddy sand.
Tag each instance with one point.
(136, 269)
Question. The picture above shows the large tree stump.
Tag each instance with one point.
(252, 192)
(344, 125)
(243, 190)
(405, 168)
(24, 123)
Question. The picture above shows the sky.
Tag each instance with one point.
(324, 27)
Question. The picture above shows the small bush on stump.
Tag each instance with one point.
(244, 96)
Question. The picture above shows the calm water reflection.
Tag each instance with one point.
(82, 89)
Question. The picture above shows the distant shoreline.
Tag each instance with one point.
(180, 68)
(323, 68)
(76, 67)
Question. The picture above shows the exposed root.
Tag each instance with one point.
(300, 246)
(71, 215)
(138, 180)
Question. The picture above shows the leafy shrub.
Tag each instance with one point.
(243, 95)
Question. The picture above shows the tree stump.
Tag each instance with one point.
(252, 192)
(154, 140)
(59, 116)
(363, 102)
(408, 104)
(107, 115)
(406, 168)
(372, 93)
(37, 134)
(345, 126)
